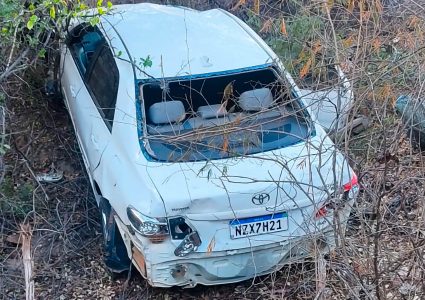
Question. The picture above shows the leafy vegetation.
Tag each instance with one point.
(17, 199)
(380, 49)
(30, 29)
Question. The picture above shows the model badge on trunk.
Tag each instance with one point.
(260, 199)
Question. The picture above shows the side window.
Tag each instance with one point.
(97, 68)
(83, 42)
(102, 80)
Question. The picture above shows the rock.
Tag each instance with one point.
(412, 114)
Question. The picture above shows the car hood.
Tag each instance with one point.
(287, 178)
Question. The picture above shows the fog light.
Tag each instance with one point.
(178, 228)
(189, 244)
(179, 271)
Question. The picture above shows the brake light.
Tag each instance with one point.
(322, 212)
(353, 182)
(331, 204)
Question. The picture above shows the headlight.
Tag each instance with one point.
(146, 226)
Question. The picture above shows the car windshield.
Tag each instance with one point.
(221, 116)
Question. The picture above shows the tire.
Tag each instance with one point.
(115, 252)
(52, 83)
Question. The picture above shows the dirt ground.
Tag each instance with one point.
(384, 246)
(66, 236)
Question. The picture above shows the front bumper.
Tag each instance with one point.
(161, 268)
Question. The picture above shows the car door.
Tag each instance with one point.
(73, 86)
(91, 96)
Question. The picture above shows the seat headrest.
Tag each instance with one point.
(91, 40)
(211, 111)
(166, 112)
(256, 100)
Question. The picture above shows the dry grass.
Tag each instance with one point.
(380, 46)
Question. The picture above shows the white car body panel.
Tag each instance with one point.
(71, 84)
(298, 178)
(188, 49)
(330, 107)
(324, 106)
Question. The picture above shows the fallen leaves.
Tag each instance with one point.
(306, 68)
(376, 44)
(238, 4)
(283, 30)
(257, 7)
(348, 42)
(225, 147)
(267, 26)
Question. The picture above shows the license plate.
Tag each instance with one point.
(258, 225)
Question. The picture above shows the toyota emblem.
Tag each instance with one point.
(260, 199)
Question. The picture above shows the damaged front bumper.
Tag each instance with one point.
(161, 268)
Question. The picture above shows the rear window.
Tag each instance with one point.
(221, 116)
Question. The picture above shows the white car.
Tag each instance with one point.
(206, 164)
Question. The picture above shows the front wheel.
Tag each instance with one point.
(116, 258)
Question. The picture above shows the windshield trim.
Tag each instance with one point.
(205, 75)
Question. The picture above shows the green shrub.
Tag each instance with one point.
(15, 200)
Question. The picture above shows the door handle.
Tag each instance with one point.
(95, 142)
(72, 91)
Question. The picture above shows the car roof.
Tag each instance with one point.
(181, 41)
